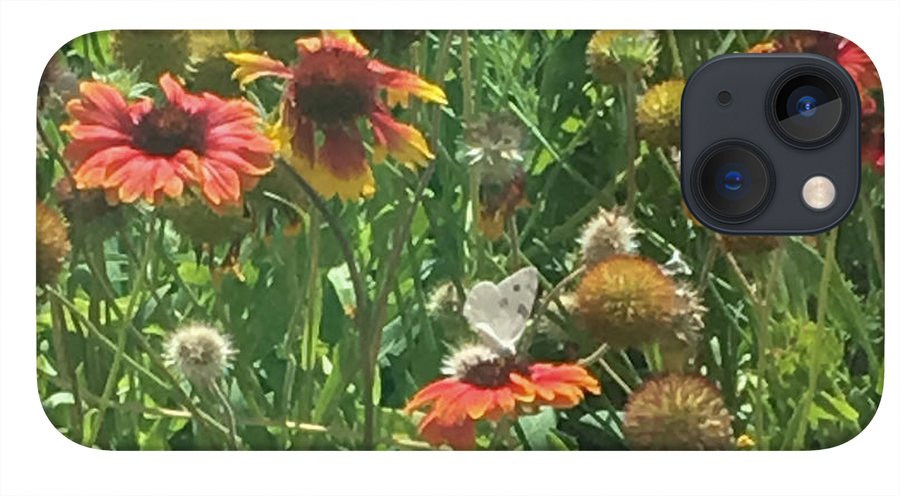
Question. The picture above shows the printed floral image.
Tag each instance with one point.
(430, 240)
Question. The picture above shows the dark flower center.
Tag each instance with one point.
(168, 130)
(333, 86)
(494, 373)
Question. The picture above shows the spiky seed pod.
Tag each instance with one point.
(614, 54)
(199, 352)
(279, 43)
(677, 412)
(211, 71)
(626, 300)
(608, 233)
(90, 215)
(52, 243)
(193, 219)
(750, 245)
(658, 114)
(155, 52)
(493, 144)
(687, 324)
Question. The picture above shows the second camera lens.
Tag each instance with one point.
(807, 108)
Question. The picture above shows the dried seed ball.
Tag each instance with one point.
(155, 52)
(677, 412)
(200, 353)
(193, 219)
(750, 245)
(658, 114)
(211, 71)
(614, 54)
(608, 233)
(627, 300)
(52, 243)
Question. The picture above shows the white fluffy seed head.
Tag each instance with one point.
(199, 352)
(608, 233)
(466, 358)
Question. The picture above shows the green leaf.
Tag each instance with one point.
(537, 429)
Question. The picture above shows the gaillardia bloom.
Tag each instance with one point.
(485, 385)
(331, 89)
(149, 150)
(608, 233)
(52, 243)
(677, 412)
(627, 300)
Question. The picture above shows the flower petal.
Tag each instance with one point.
(403, 142)
(400, 84)
(251, 66)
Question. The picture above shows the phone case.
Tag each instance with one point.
(345, 240)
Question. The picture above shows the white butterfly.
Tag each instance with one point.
(498, 313)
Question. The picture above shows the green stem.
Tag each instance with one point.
(677, 64)
(475, 239)
(763, 307)
(122, 337)
(816, 352)
(874, 238)
(631, 151)
(229, 414)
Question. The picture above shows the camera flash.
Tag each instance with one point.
(818, 192)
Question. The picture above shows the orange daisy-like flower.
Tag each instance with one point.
(331, 89)
(485, 385)
(149, 150)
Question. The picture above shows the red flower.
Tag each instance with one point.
(147, 150)
(484, 385)
(332, 88)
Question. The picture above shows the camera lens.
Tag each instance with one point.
(734, 181)
(808, 108)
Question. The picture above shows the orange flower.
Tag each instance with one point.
(485, 385)
(332, 87)
(142, 149)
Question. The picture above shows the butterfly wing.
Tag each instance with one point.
(498, 313)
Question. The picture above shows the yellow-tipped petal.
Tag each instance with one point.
(251, 66)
